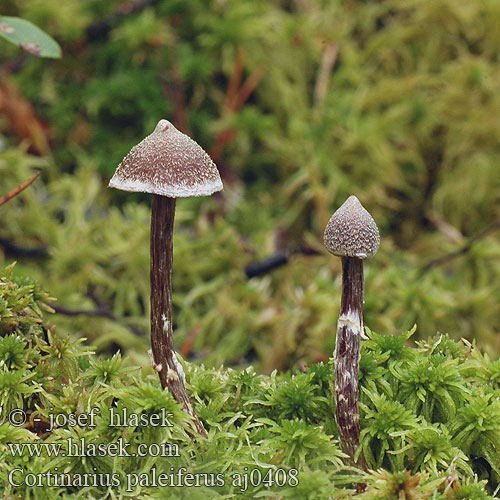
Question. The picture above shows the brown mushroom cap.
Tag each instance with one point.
(352, 232)
(169, 163)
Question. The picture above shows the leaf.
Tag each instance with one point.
(29, 37)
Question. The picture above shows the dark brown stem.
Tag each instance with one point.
(166, 363)
(347, 355)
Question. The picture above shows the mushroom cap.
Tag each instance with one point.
(352, 232)
(169, 163)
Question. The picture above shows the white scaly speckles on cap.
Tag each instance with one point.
(168, 163)
(352, 232)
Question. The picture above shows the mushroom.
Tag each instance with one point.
(352, 234)
(170, 165)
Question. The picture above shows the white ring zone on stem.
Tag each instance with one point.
(352, 319)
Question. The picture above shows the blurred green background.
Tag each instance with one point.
(300, 103)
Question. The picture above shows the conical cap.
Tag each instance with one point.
(352, 232)
(169, 163)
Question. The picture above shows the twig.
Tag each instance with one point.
(18, 189)
(14, 65)
(101, 312)
(100, 29)
(266, 265)
(13, 249)
(236, 96)
(327, 63)
(277, 259)
(448, 230)
(83, 312)
(248, 87)
(174, 89)
(234, 80)
(23, 118)
(464, 248)
(188, 343)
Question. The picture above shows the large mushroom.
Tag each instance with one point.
(170, 165)
(353, 235)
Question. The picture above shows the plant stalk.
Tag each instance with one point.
(347, 356)
(169, 369)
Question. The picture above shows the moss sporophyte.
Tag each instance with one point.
(170, 165)
(353, 235)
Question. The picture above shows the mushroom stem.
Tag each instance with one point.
(347, 356)
(167, 365)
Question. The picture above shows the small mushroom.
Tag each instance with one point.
(170, 165)
(353, 235)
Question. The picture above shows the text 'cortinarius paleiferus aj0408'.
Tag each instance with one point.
(170, 165)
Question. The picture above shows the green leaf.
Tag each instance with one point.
(29, 37)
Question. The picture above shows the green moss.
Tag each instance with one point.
(393, 101)
(398, 120)
(268, 436)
